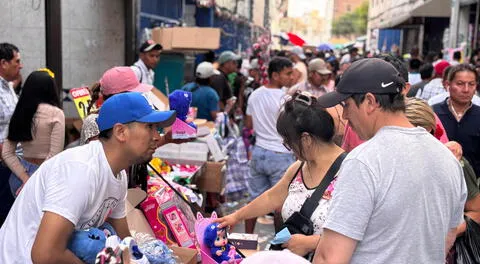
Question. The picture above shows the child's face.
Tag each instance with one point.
(221, 240)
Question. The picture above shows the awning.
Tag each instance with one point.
(432, 8)
(393, 21)
(405, 10)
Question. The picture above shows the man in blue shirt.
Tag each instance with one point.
(204, 97)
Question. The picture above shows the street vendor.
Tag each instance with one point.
(82, 187)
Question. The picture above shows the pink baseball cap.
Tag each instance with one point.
(122, 79)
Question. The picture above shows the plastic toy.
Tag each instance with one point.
(206, 236)
(182, 128)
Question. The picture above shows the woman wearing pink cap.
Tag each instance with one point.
(114, 81)
(122, 79)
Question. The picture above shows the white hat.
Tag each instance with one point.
(299, 52)
(205, 70)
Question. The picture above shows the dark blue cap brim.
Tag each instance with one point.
(331, 99)
(162, 118)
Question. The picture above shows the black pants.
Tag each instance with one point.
(6, 197)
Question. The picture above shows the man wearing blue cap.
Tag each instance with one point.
(82, 187)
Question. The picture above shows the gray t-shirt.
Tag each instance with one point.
(398, 195)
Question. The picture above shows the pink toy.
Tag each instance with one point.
(200, 226)
(178, 227)
(182, 130)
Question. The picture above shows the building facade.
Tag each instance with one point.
(407, 24)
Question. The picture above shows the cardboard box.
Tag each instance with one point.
(186, 255)
(244, 241)
(187, 153)
(187, 38)
(158, 99)
(212, 178)
(213, 147)
(135, 218)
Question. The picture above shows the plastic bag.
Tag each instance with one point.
(467, 247)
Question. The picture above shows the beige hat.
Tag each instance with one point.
(319, 66)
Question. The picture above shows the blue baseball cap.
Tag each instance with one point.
(131, 107)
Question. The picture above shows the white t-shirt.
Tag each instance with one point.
(143, 74)
(77, 184)
(264, 106)
(401, 192)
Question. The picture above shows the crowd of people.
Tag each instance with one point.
(411, 129)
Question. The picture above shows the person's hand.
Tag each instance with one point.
(230, 103)
(227, 221)
(455, 148)
(298, 244)
(19, 189)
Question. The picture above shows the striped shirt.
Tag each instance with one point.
(8, 101)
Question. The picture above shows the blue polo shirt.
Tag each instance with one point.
(466, 132)
(204, 98)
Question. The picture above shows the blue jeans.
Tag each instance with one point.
(266, 169)
(15, 182)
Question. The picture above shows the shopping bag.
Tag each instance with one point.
(467, 247)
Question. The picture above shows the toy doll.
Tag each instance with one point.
(216, 240)
(180, 102)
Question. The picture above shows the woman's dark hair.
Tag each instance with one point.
(96, 92)
(460, 68)
(39, 88)
(302, 114)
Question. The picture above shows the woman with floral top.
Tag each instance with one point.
(307, 130)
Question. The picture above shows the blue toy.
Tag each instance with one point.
(180, 102)
(216, 240)
(86, 244)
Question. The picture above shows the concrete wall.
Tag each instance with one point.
(93, 39)
(258, 12)
(22, 23)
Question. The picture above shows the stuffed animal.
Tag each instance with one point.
(216, 240)
(86, 244)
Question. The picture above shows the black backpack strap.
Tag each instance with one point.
(312, 203)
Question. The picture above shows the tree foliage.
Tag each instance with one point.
(352, 23)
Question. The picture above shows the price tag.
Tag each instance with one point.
(81, 98)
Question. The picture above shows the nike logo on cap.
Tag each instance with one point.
(386, 84)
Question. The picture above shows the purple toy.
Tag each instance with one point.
(205, 233)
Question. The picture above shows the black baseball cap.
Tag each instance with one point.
(369, 75)
(150, 45)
